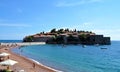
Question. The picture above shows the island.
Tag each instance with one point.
(66, 36)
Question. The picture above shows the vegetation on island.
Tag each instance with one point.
(60, 31)
(28, 39)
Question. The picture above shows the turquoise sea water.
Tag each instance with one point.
(75, 58)
(10, 41)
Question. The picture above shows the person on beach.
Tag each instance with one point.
(33, 65)
(8, 57)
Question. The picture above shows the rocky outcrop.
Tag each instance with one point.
(69, 37)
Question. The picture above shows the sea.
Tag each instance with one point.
(10, 41)
(75, 58)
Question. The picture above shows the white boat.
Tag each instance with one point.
(83, 46)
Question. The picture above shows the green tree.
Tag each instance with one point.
(67, 30)
(28, 39)
(75, 30)
(59, 40)
(53, 30)
(70, 38)
(90, 31)
(60, 30)
(82, 37)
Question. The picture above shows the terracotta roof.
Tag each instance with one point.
(43, 35)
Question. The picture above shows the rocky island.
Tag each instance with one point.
(66, 36)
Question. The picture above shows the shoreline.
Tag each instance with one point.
(23, 43)
(45, 66)
(26, 63)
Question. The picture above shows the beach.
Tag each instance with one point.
(23, 63)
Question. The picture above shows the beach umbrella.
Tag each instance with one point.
(4, 54)
(8, 63)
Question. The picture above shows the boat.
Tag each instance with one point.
(103, 48)
(83, 46)
(97, 45)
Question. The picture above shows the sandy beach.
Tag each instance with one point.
(23, 63)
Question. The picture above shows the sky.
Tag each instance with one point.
(20, 18)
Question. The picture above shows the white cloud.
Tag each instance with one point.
(16, 25)
(69, 4)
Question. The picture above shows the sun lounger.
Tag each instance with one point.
(21, 71)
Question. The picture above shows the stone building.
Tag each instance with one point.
(42, 38)
(99, 39)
